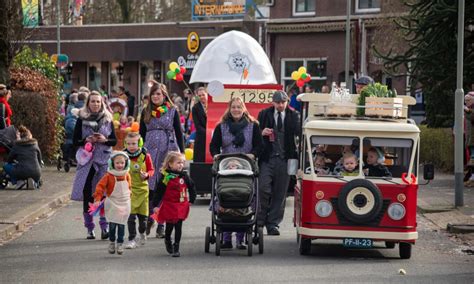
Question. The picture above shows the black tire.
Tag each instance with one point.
(405, 250)
(249, 243)
(59, 164)
(3, 182)
(67, 167)
(260, 240)
(304, 245)
(218, 243)
(360, 201)
(207, 240)
(390, 245)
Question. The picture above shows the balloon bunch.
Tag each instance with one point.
(300, 76)
(176, 72)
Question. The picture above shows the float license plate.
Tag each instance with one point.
(357, 243)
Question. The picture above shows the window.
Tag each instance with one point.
(385, 157)
(367, 6)
(329, 154)
(95, 74)
(146, 74)
(116, 79)
(316, 67)
(304, 7)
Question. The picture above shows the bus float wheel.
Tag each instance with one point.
(360, 201)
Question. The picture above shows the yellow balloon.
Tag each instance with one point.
(188, 154)
(295, 75)
(173, 66)
(301, 70)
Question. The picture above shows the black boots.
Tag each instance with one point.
(169, 246)
(104, 234)
(90, 235)
(175, 250)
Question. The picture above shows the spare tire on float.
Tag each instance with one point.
(360, 201)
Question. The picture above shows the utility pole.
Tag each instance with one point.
(459, 113)
(348, 41)
(58, 31)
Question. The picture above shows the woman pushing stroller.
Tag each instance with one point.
(237, 132)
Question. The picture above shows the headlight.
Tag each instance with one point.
(396, 211)
(323, 208)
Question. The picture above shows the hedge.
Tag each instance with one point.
(437, 147)
(34, 104)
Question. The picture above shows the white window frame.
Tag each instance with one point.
(305, 64)
(365, 10)
(294, 13)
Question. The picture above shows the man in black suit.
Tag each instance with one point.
(279, 125)
(199, 112)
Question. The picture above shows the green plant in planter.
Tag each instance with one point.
(374, 90)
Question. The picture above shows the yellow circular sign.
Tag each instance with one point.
(193, 42)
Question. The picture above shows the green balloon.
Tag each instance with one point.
(177, 71)
(304, 75)
(170, 74)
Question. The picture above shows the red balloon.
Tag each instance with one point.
(308, 78)
(300, 83)
(179, 77)
(182, 69)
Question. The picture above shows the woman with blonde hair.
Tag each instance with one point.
(237, 132)
(160, 128)
(94, 131)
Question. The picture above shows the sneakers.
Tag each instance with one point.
(112, 248)
(31, 184)
(273, 231)
(160, 231)
(104, 234)
(119, 249)
(175, 250)
(20, 184)
(149, 225)
(226, 245)
(142, 239)
(90, 235)
(241, 246)
(169, 246)
(131, 244)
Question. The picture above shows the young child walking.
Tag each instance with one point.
(141, 168)
(115, 184)
(173, 193)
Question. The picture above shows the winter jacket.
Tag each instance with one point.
(28, 159)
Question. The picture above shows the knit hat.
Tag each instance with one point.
(116, 154)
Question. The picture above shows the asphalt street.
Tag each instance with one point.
(55, 251)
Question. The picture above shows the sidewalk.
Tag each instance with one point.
(20, 207)
(436, 203)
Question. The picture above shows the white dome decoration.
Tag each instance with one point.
(225, 58)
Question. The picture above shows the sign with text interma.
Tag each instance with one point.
(218, 8)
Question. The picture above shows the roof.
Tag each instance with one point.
(361, 125)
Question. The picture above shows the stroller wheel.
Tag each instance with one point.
(249, 243)
(218, 243)
(67, 167)
(207, 239)
(3, 182)
(59, 164)
(260, 240)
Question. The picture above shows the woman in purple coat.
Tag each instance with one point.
(94, 126)
(237, 132)
(160, 127)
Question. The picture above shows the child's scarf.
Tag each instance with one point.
(167, 177)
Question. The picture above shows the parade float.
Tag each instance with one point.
(364, 207)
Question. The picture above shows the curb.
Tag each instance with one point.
(21, 224)
(460, 228)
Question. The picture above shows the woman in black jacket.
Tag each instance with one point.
(24, 159)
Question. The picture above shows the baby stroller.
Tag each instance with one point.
(234, 201)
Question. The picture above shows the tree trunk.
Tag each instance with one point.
(4, 62)
(125, 9)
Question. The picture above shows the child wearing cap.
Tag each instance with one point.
(115, 185)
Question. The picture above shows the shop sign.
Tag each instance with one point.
(217, 8)
(189, 61)
(193, 42)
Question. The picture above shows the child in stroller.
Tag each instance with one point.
(235, 198)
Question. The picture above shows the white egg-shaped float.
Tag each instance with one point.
(233, 58)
